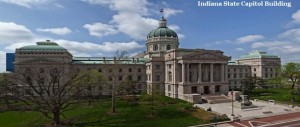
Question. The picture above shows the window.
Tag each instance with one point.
(194, 89)
(228, 70)
(266, 75)
(109, 78)
(266, 69)
(109, 70)
(157, 78)
(170, 66)
(168, 47)
(120, 78)
(254, 75)
(139, 78)
(254, 69)
(169, 87)
(217, 88)
(155, 48)
(139, 69)
(229, 76)
(241, 70)
(246, 75)
(129, 70)
(241, 75)
(120, 70)
(99, 70)
(271, 69)
(234, 75)
(246, 70)
(271, 75)
(157, 66)
(170, 76)
(235, 82)
(234, 70)
(139, 86)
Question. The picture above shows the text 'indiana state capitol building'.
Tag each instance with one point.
(187, 74)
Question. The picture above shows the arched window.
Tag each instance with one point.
(168, 47)
(155, 47)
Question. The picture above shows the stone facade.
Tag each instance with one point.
(163, 68)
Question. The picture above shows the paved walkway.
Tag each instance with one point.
(262, 110)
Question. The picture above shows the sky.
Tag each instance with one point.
(100, 27)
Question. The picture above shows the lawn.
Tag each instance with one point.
(281, 95)
(167, 113)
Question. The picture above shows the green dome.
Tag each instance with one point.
(46, 46)
(162, 32)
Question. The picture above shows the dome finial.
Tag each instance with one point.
(163, 22)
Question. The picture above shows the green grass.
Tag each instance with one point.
(167, 113)
(281, 95)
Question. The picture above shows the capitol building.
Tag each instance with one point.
(164, 67)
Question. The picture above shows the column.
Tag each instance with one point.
(226, 73)
(183, 72)
(199, 73)
(188, 72)
(211, 72)
(222, 72)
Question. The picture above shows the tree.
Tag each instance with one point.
(51, 89)
(275, 82)
(3, 91)
(92, 83)
(292, 72)
(115, 73)
(127, 87)
(249, 84)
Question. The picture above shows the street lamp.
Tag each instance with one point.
(232, 102)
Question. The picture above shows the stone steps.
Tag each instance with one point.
(215, 99)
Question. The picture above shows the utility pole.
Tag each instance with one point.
(232, 102)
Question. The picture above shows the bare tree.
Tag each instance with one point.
(115, 73)
(50, 88)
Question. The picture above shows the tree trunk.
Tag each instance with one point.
(56, 117)
(113, 108)
(293, 85)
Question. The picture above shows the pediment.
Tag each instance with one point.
(205, 56)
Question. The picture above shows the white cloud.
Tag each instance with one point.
(249, 38)
(174, 27)
(12, 32)
(240, 49)
(100, 29)
(27, 3)
(296, 17)
(293, 34)
(268, 44)
(169, 11)
(57, 31)
(131, 18)
(2, 61)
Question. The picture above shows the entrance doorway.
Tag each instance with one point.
(206, 89)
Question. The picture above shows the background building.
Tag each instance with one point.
(10, 58)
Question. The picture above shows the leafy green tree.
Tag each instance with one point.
(149, 102)
(92, 83)
(275, 82)
(291, 71)
(127, 87)
(249, 84)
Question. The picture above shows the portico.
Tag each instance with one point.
(201, 72)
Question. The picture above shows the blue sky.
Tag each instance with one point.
(100, 27)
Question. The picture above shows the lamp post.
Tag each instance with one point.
(232, 102)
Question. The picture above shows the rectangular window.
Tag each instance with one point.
(157, 78)
(234, 76)
(170, 76)
(254, 69)
(129, 70)
(229, 76)
(234, 70)
(266, 75)
(139, 69)
(170, 66)
(194, 89)
(120, 70)
(241, 70)
(110, 78)
(139, 78)
(169, 87)
(99, 70)
(266, 69)
(271, 69)
(130, 77)
(157, 66)
(120, 78)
